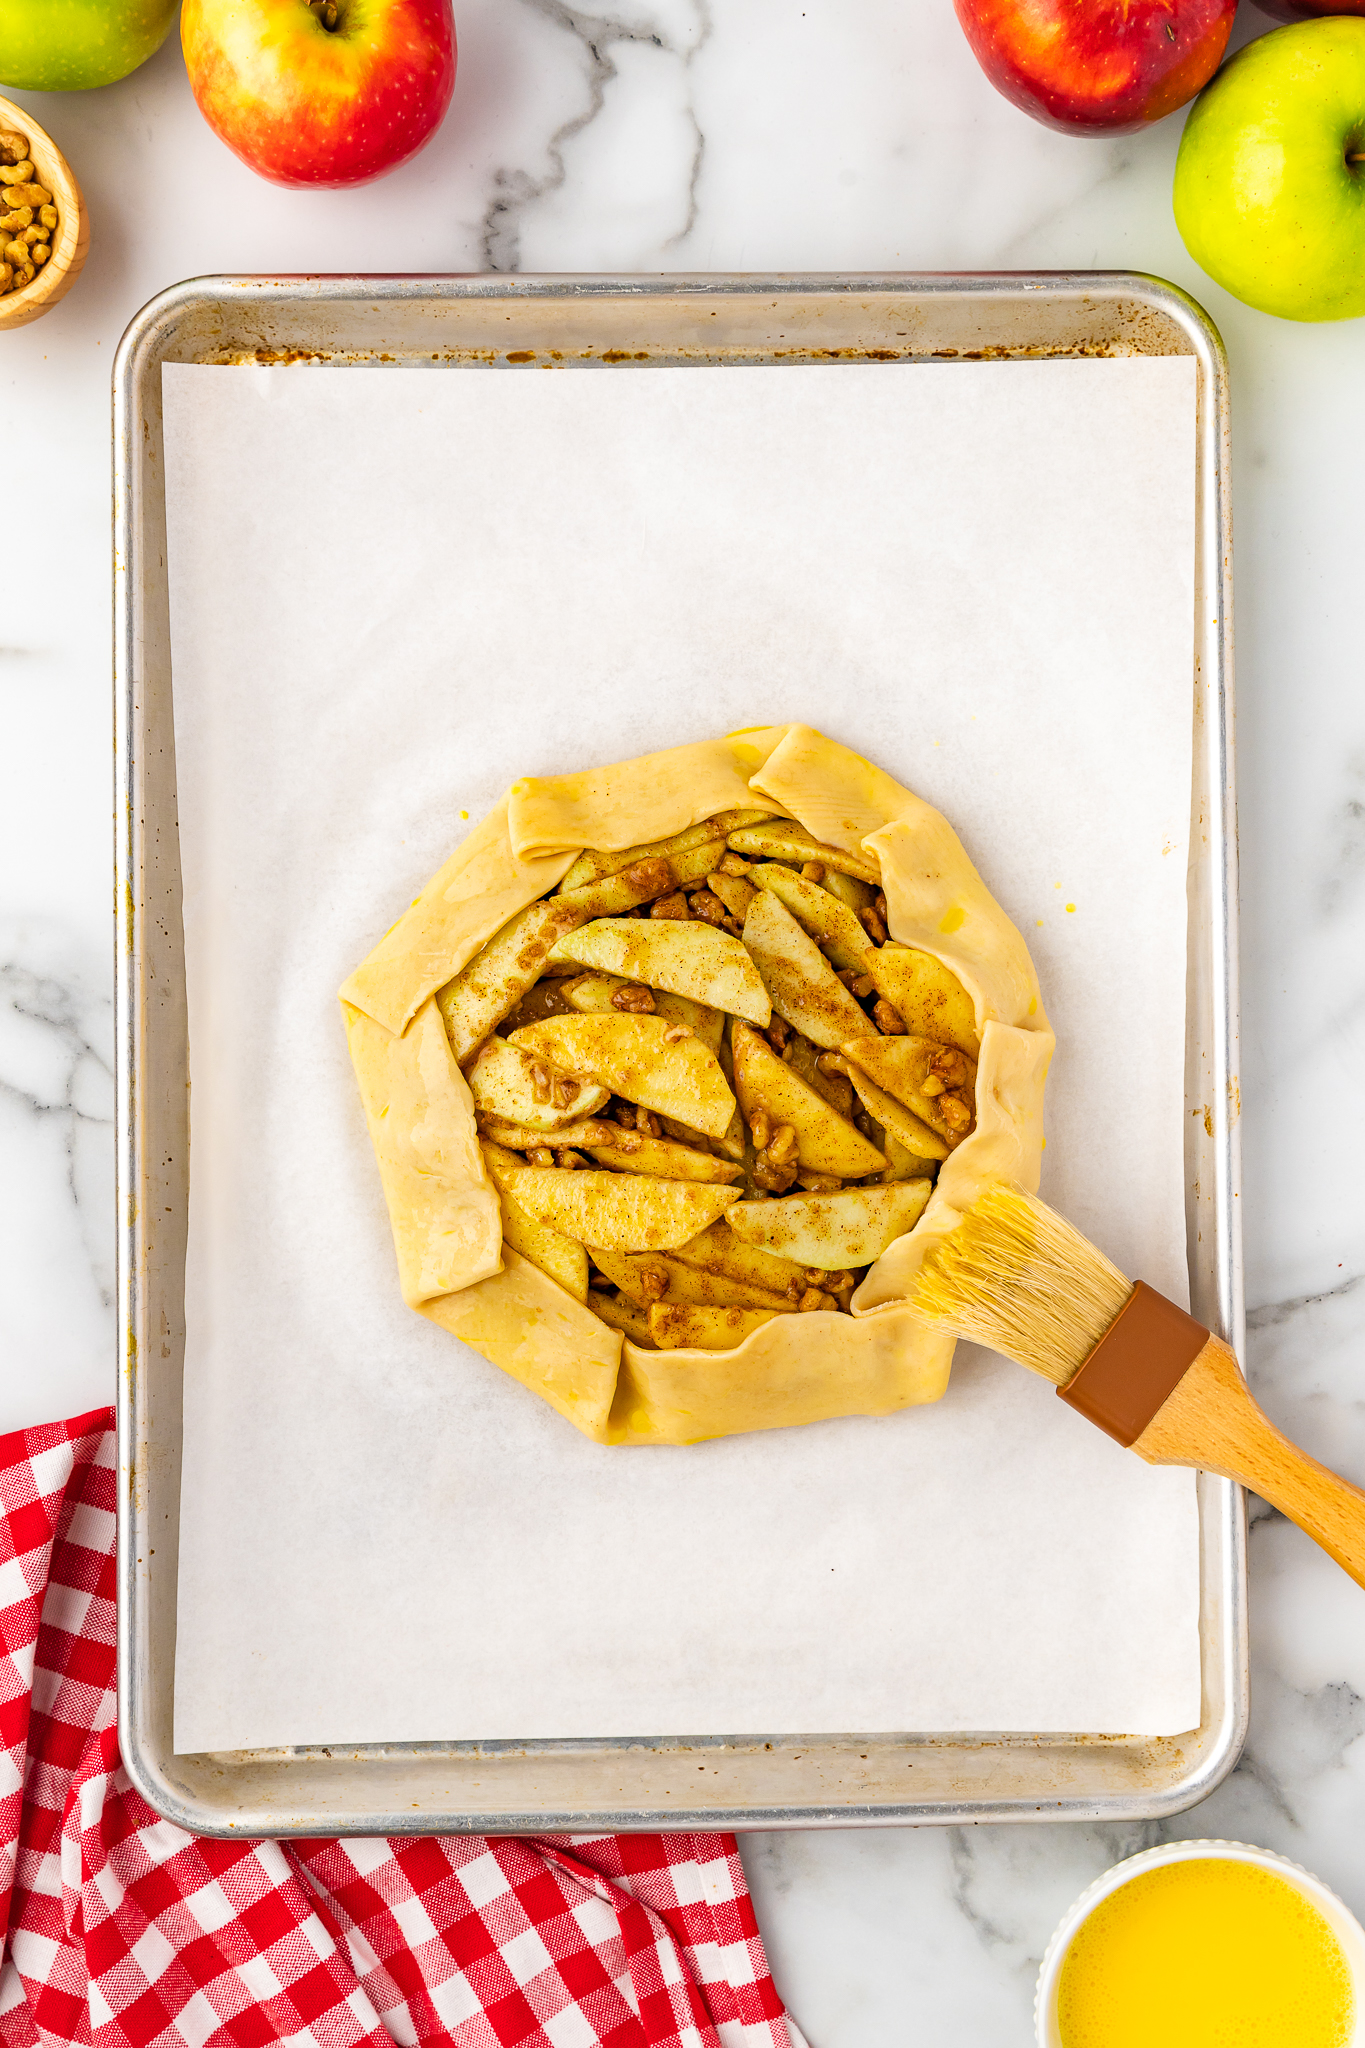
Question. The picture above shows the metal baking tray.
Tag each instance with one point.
(449, 323)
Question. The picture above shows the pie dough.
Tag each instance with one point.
(447, 1227)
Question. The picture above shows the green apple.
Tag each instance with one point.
(1270, 179)
(66, 45)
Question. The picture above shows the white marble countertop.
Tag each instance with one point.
(748, 135)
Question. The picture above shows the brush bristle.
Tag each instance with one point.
(1017, 1277)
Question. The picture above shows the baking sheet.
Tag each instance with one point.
(392, 594)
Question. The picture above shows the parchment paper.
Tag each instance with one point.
(393, 592)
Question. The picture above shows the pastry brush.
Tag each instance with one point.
(1017, 1277)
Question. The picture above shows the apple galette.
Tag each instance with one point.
(677, 1068)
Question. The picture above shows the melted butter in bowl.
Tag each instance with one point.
(1204, 1945)
(1205, 1951)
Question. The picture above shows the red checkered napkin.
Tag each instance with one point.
(124, 1931)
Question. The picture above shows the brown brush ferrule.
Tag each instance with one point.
(1137, 1364)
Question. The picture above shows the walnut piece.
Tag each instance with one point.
(633, 998)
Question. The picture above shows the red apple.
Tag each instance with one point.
(328, 94)
(1097, 66)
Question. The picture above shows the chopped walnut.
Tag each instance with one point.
(777, 1033)
(873, 925)
(781, 1147)
(813, 1299)
(813, 870)
(633, 998)
(653, 1281)
(954, 1112)
(672, 906)
(541, 1088)
(653, 876)
(675, 1034)
(859, 985)
(540, 1155)
(949, 1066)
(565, 1091)
(775, 1179)
(888, 1020)
(569, 1160)
(761, 1129)
(707, 906)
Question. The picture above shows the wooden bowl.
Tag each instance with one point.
(72, 240)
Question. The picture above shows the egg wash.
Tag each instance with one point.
(1207, 1953)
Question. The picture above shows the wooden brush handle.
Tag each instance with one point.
(1211, 1421)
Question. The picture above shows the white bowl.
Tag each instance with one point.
(1343, 1924)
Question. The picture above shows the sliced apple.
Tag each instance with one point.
(585, 1131)
(592, 866)
(825, 1141)
(926, 995)
(720, 1252)
(782, 839)
(827, 920)
(520, 1086)
(804, 988)
(489, 987)
(543, 1245)
(619, 1270)
(734, 892)
(804, 1059)
(644, 881)
(735, 1143)
(640, 883)
(692, 960)
(629, 1317)
(699, 1018)
(703, 1329)
(851, 1228)
(937, 1083)
(632, 1152)
(619, 1211)
(636, 1057)
(592, 995)
(659, 1276)
(897, 1119)
(901, 1163)
(855, 894)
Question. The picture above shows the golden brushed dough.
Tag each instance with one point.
(446, 1216)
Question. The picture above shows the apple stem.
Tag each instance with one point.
(324, 11)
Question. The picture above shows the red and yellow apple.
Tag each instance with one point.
(1098, 66)
(331, 93)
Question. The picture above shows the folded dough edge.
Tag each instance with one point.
(444, 1213)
